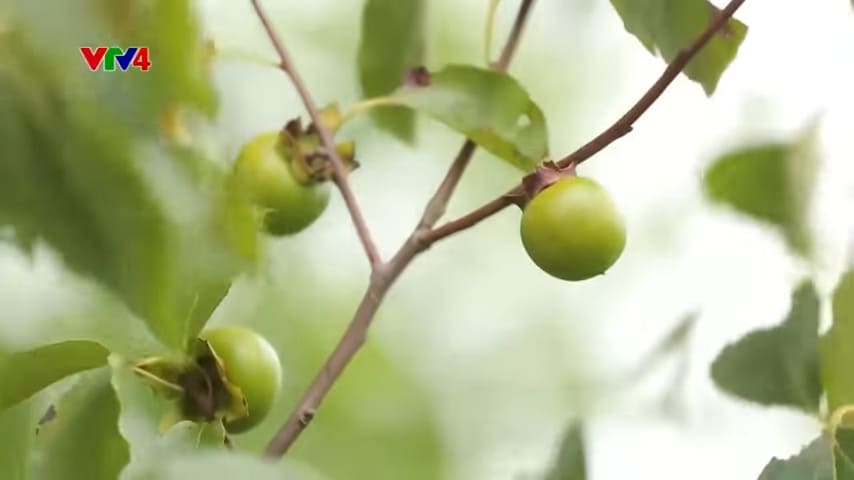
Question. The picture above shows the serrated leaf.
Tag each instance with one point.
(814, 462)
(836, 353)
(570, 462)
(668, 26)
(83, 440)
(772, 183)
(392, 42)
(490, 108)
(778, 365)
(25, 373)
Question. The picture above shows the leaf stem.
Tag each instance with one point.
(363, 106)
(240, 56)
(489, 31)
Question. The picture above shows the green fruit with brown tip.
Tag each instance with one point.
(250, 363)
(572, 230)
(268, 176)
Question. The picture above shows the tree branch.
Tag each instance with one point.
(339, 175)
(382, 278)
(618, 129)
(424, 235)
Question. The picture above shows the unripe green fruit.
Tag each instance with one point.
(572, 229)
(266, 174)
(251, 363)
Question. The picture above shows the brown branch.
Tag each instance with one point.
(382, 278)
(339, 175)
(617, 130)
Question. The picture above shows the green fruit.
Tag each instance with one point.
(572, 230)
(251, 363)
(267, 175)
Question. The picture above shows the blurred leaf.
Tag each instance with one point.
(25, 373)
(836, 353)
(778, 365)
(570, 463)
(668, 26)
(392, 42)
(814, 462)
(177, 76)
(491, 108)
(78, 309)
(841, 428)
(772, 183)
(17, 427)
(675, 340)
(142, 219)
(83, 440)
(226, 466)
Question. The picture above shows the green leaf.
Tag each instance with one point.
(25, 373)
(491, 108)
(177, 76)
(841, 428)
(570, 463)
(17, 429)
(392, 43)
(814, 462)
(836, 353)
(83, 440)
(93, 179)
(226, 466)
(668, 26)
(771, 183)
(778, 365)
(78, 310)
(843, 453)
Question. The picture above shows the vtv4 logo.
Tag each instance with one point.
(107, 58)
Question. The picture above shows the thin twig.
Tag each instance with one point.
(383, 277)
(339, 175)
(617, 130)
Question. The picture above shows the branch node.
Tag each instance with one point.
(306, 417)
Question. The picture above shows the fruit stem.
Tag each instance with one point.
(366, 105)
(491, 10)
(240, 56)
